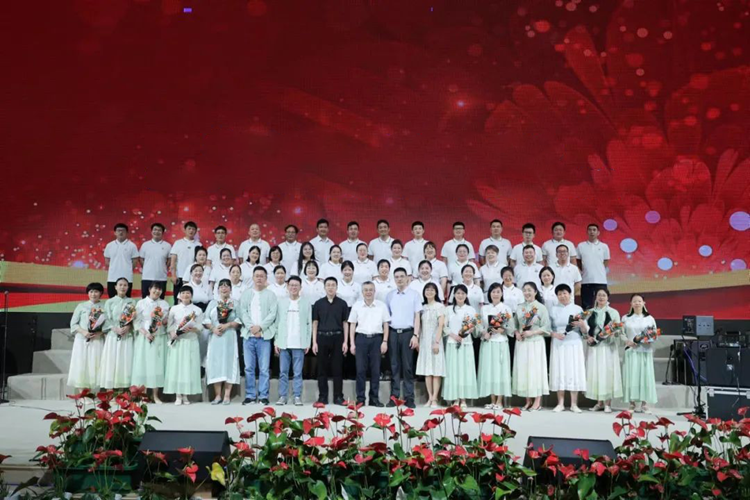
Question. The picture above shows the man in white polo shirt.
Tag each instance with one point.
(380, 248)
(448, 253)
(350, 244)
(502, 244)
(254, 240)
(528, 270)
(414, 249)
(322, 243)
(182, 256)
(549, 248)
(593, 259)
(154, 256)
(120, 257)
(528, 231)
(214, 251)
(289, 249)
(565, 272)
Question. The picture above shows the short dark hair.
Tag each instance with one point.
(330, 278)
(95, 286)
(296, 229)
(492, 248)
(425, 261)
(558, 223)
(331, 249)
(562, 287)
(362, 245)
(220, 228)
(347, 263)
(276, 248)
(526, 247)
(492, 289)
(260, 268)
(506, 269)
(562, 245)
(397, 242)
(225, 250)
(496, 220)
(430, 244)
(121, 225)
(462, 245)
(547, 268)
(382, 221)
(384, 261)
(459, 223)
(276, 268)
(237, 266)
(157, 285)
(199, 248)
(322, 221)
(473, 271)
(122, 278)
(294, 278)
(352, 223)
(528, 225)
(417, 223)
(312, 263)
(190, 224)
(225, 281)
(400, 270)
(158, 224)
(593, 224)
(186, 288)
(195, 266)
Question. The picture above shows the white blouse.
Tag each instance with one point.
(364, 271)
(219, 272)
(491, 273)
(439, 270)
(383, 288)
(247, 272)
(635, 324)
(329, 269)
(549, 296)
(494, 310)
(206, 273)
(270, 266)
(418, 286)
(402, 262)
(456, 317)
(237, 291)
(143, 310)
(201, 292)
(350, 292)
(512, 297)
(454, 271)
(475, 295)
(279, 290)
(559, 316)
(313, 290)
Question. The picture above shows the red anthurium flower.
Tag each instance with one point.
(664, 422)
(617, 428)
(398, 402)
(406, 412)
(716, 492)
(439, 412)
(584, 454)
(190, 472)
(742, 411)
(694, 419)
(186, 453)
(625, 415)
(361, 459)
(255, 416)
(382, 419)
(315, 441)
(269, 411)
(318, 405)
(660, 465)
(233, 420)
(307, 425)
(721, 476)
(51, 416)
(341, 464)
(599, 468)
(512, 411)
(3, 458)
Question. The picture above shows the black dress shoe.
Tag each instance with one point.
(248, 401)
(376, 404)
(264, 401)
(339, 402)
(322, 401)
(391, 404)
(410, 404)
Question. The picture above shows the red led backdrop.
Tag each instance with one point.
(631, 114)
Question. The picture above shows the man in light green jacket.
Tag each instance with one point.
(293, 336)
(258, 316)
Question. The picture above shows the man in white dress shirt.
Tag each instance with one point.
(528, 231)
(182, 256)
(593, 259)
(565, 272)
(322, 243)
(214, 251)
(528, 270)
(254, 240)
(290, 249)
(404, 306)
(120, 257)
(350, 244)
(549, 248)
(503, 245)
(448, 252)
(414, 249)
(154, 256)
(380, 248)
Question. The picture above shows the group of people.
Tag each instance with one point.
(385, 299)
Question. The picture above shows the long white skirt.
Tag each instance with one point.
(603, 377)
(116, 367)
(84, 363)
(530, 368)
(567, 366)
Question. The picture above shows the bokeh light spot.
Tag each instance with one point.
(628, 245)
(652, 217)
(665, 263)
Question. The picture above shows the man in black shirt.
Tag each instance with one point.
(330, 331)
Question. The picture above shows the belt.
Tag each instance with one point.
(331, 333)
(403, 330)
(369, 335)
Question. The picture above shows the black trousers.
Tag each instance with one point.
(111, 292)
(176, 292)
(146, 284)
(368, 362)
(588, 294)
(402, 364)
(330, 363)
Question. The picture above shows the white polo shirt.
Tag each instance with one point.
(414, 251)
(369, 318)
(512, 297)
(322, 248)
(491, 274)
(184, 249)
(155, 255)
(349, 249)
(364, 271)
(402, 262)
(592, 257)
(120, 257)
(290, 255)
(517, 253)
(568, 274)
(454, 271)
(330, 269)
(380, 249)
(549, 249)
(418, 286)
(383, 288)
(439, 270)
(449, 249)
(350, 292)
(504, 248)
(214, 252)
(246, 245)
(524, 273)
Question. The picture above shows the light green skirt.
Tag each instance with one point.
(460, 373)
(638, 380)
(149, 361)
(183, 374)
(494, 369)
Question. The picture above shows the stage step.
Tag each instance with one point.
(52, 361)
(52, 386)
(62, 339)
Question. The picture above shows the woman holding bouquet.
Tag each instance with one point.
(431, 359)
(116, 366)
(460, 369)
(183, 375)
(639, 382)
(222, 359)
(150, 350)
(494, 355)
(87, 324)
(251, 262)
(603, 379)
(567, 368)
(530, 356)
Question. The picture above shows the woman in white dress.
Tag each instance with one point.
(312, 287)
(278, 285)
(248, 266)
(431, 359)
(424, 277)
(150, 347)
(348, 289)
(332, 268)
(638, 380)
(460, 368)
(222, 359)
(547, 278)
(475, 292)
(456, 269)
(183, 375)
(439, 269)
(567, 367)
(512, 295)
(306, 254)
(530, 358)
(238, 285)
(383, 282)
(220, 271)
(364, 268)
(116, 366)
(494, 355)
(275, 259)
(87, 325)
(603, 376)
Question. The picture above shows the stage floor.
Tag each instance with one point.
(22, 428)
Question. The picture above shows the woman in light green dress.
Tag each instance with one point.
(222, 359)
(117, 356)
(494, 355)
(603, 377)
(183, 376)
(530, 378)
(638, 379)
(150, 350)
(86, 324)
(460, 369)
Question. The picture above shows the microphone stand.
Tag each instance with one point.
(3, 381)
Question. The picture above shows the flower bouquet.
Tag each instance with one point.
(499, 320)
(187, 322)
(647, 336)
(223, 310)
(575, 318)
(126, 317)
(609, 332)
(96, 321)
(468, 325)
(528, 319)
(157, 320)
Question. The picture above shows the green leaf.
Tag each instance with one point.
(585, 484)
(469, 484)
(319, 490)
(527, 472)
(647, 478)
(617, 493)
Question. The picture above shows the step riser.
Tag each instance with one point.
(62, 339)
(53, 361)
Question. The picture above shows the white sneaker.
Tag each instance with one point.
(597, 407)
(575, 409)
(497, 407)
(559, 408)
(489, 406)
(281, 402)
(178, 400)
(185, 400)
(297, 401)
(607, 409)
